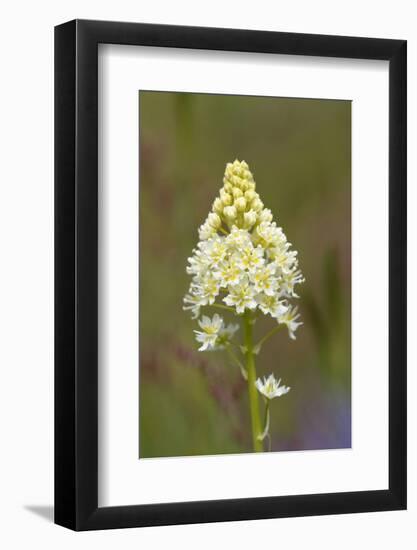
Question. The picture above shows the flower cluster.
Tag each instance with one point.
(243, 263)
(243, 259)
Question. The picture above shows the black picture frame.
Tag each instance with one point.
(76, 272)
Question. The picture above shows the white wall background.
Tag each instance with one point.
(26, 271)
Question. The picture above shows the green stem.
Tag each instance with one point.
(238, 363)
(265, 432)
(252, 391)
(265, 338)
(221, 306)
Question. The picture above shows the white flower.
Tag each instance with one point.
(238, 239)
(210, 331)
(269, 235)
(206, 289)
(271, 305)
(193, 303)
(206, 230)
(215, 335)
(289, 318)
(284, 259)
(217, 251)
(228, 273)
(270, 388)
(250, 258)
(241, 296)
(264, 279)
(288, 281)
(198, 263)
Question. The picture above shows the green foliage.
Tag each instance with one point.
(329, 317)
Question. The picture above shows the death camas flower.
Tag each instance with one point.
(270, 388)
(244, 265)
(243, 259)
(214, 334)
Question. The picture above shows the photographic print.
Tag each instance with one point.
(211, 299)
(245, 274)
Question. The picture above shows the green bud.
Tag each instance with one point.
(249, 219)
(227, 186)
(225, 198)
(214, 220)
(250, 195)
(240, 204)
(257, 205)
(217, 206)
(237, 193)
(265, 215)
(230, 213)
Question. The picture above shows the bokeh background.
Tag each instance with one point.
(299, 150)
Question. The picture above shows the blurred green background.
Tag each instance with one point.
(299, 150)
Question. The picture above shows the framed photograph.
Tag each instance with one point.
(230, 253)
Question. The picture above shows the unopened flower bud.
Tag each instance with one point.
(250, 195)
(240, 204)
(217, 206)
(237, 193)
(257, 205)
(227, 185)
(249, 219)
(225, 198)
(214, 220)
(265, 215)
(230, 212)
